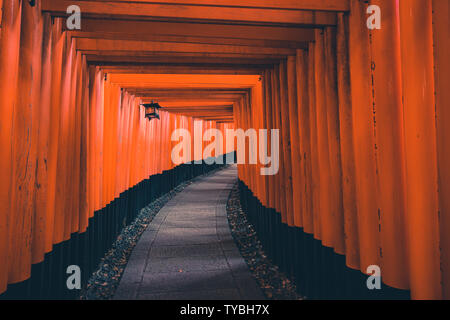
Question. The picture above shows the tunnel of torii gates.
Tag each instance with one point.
(364, 175)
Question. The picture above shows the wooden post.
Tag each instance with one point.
(277, 118)
(84, 149)
(271, 184)
(43, 148)
(303, 101)
(346, 144)
(334, 141)
(441, 43)
(421, 152)
(388, 115)
(9, 64)
(24, 146)
(296, 163)
(364, 141)
(284, 114)
(315, 179)
(325, 213)
(278, 200)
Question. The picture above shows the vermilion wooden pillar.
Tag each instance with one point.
(315, 180)
(259, 113)
(264, 125)
(97, 105)
(246, 114)
(277, 117)
(107, 139)
(63, 177)
(158, 147)
(165, 138)
(421, 151)
(131, 111)
(69, 153)
(253, 124)
(279, 200)
(303, 101)
(84, 150)
(75, 136)
(93, 172)
(9, 64)
(363, 138)
(135, 113)
(121, 134)
(237, 117)
(242, 125)
(346, 144)
(43, 147)
(325, 210)
(117, 136)
(271, 181)
(250, 124)
(113, 137)
(334, 141)
(152, 149)
(24, 139)
(296, 163)
(388, 114)
(58, 48)
(441, 36)
(285, 133)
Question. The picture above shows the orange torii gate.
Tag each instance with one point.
(361, 114)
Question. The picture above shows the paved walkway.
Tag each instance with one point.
(187, 252)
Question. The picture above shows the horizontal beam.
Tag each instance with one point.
(194, 91)
(149, 97)
(187, 96)
(214, 118)
(191, 31)
(323, 5)
(165, 85)
(205, 69)
(204, 113)
(100, 58)
(300, 44)
(104, 45)
(196, 104)
(216, 109)
(210, 117)
(183, 80)
(162, 56)
(141, 10)
(224, 111)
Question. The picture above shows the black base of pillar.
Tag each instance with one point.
(317, 271)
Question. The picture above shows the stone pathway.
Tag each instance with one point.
(187, 252)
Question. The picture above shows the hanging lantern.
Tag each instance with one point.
(151, 110)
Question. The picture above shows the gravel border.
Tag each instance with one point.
(274, 283)
(104, 281)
